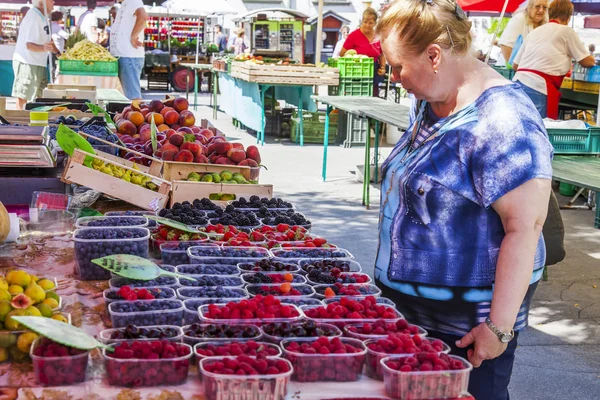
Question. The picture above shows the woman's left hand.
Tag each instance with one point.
(486, 345)
(381, 71)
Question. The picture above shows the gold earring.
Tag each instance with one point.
(435, 71)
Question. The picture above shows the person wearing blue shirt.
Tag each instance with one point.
(464, 194)
(220, 38)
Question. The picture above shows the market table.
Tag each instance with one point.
(373, 108)
(582, 171)
(111, 95)
(198, 68)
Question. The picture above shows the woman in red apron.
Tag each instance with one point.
(545, 58)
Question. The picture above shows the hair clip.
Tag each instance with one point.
(460, 14)
(450, 37)
(428, 2)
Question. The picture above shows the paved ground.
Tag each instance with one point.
(558, 356)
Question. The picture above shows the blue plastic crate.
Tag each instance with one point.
(575, 141)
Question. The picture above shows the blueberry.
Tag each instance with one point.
(221, 331)
(207, 269)
(211, 280)
(268, 265)
(143, 313)
(116, 222)
(211, 292)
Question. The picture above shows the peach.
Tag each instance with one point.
(136, 105)
(176, 139)
(136, 117)
(170, 132)
(166, 110)
(168, 155)
(213, 158)
(196, 129)
(207, 133)
(184, 156)
(158, 153)
(180, 104)
(248, 162)
(145, 112)
(193, 147)
(238, 146)
(127, 128)
(136, 138)
(236, 155)
(158, 119)
(162, 127)
(144, 127)
(185, 131)
(170, 147)
(117, 117)
(171, 117)
(186, 118)
(168, 100)
(126, 139)
(145, 135)
(224, 161)
(176, 126)
(201, 159)
(156, 106)
(222, 147)
(252, 152)
(126, 110)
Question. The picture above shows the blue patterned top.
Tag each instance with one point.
(439, 238)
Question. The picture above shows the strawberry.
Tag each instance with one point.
(173, 235)
(291, 235)
(319, 242)
(228, 235)
(243, 236)
(257, 237)
(309, 243)
(163, 231)
(283, 227)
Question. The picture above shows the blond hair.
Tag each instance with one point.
(561, 9)
(420, 23)
(369, 12)
(531, 5)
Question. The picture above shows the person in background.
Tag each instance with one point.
(220, 38)
(59, 35)
(23, 11)
(344, 32)
(545, 58)
(592, 48)
(127, 43)
(363, 41)
(476, 150)
(112, 15)
(30, 59)
(88, 22)
(239, 45)
(102, 33)
(521, 24)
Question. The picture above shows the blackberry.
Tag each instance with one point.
(254, 199)
(319, 277)
(163, 212)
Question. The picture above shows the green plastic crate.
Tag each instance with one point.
(575, 141)
(314, 127)
(351, 67)
(94, 68)
(355, 87)
(332, 62)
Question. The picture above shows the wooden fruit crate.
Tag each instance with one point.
(77, 172)
(285, 74)
(189, 191)
(176, 171)
(22, 116)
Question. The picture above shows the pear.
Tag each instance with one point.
(35, 292)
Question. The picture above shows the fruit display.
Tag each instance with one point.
(130, 294)
(58, 365)
(257, 203)
(111, 222)
(171, 333)
(426, 376)
(325, 359)
(250, 348)
(316, 277)
(234, 217)
(309, 243)
(212, 280)
(144, 313)
(283, 290)
(303, 252)
(92, 243)
(223, 177)
(259, 308)
(398, 343)
(348, 310)
(380, 329)
(289, 217)
(217, 294)
(276, 331)
(118, 171)
(327, 265)
(175, 253)
(145, 363)
(284, 232)
(99, 131)
(87, 51)
(129, 213)
(201, 269)
(162, 281)
(245, 376)
(243, 239)
(226, 255)
(268, 265)
(272, 278)
(197, 333)
(186, 213)
(68, 120)
(339, 289)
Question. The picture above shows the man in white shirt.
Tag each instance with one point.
(88, 22)
(127, 43)
(31, 54)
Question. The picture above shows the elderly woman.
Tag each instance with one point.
(521, 24)
(545, 59)
(464, 195)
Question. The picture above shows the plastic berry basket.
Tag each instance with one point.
(245, 267)
(262, 347)
(426, 384)
(275, 290)
(345, 367)
(231, 293)
(237, 387)
(147, 312)
(87, 250)
(227, 255)
(380, 300)
(111, 222)
(254, 333)
(298, 253)
(373, 363)
(110, 295)
(190, 314)
(207, 269)
(370, 290)
(344, 274)
(151, 223)
(105, 336)
(211, 280)
(176, 253)
(163, 281)
(203, 311)
(135, 372)
(156, 242)
(296, 278)
(304, 301)
(348, 265)
(58, 371)
(277, 339)
(348, 332)
(342, 322)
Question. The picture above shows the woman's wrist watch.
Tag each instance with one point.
(503, 337)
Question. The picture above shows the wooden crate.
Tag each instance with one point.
(286, 74)
(76, 172)
(175, 171)
(189, 191)
(22, 116)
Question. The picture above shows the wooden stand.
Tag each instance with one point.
(175, 171)
(285, 74)
(22, 116)
(189, 191)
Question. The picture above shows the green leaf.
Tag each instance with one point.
(188, 137)
(173, 224)
(97, 110)
(153, 135)
(69, 140)
(133, 267)
(60, 332)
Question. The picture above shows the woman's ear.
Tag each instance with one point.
(434, 53)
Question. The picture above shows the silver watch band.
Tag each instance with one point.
(502, 336)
